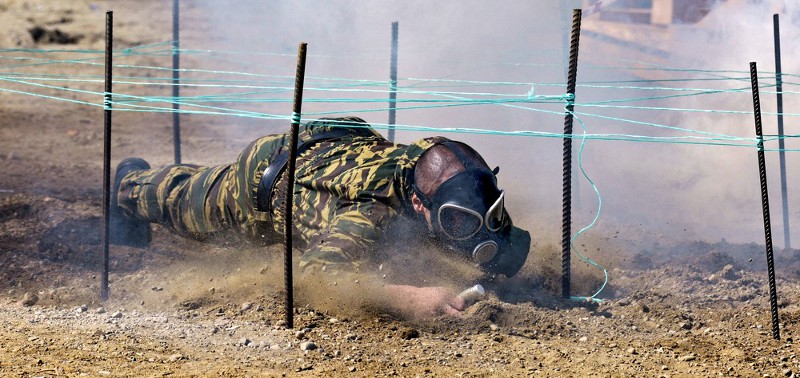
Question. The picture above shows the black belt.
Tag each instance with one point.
(279, 162)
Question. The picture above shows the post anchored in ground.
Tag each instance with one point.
(567, 159)
(762, 170)
(296, 111)
(107, 153)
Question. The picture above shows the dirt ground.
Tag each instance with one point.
(182, 308)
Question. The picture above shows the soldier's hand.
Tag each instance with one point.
(423, 302)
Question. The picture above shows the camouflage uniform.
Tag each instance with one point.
(347, 192)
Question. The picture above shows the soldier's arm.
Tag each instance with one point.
(344, 249)
(423, 302)
(346, 244)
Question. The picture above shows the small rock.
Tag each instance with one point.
(664, 367)
(688, 357)
(351, 369)
(246, 306)
(279, 324)
(308, 345)
(494, 327)
(788, 372)
(301, 334)
(212, 290)
(175, 357)
(583, 339)
(274, 347)
(29, 299)
(409, 333)
(244, 341)
(81, 309)
(333, 320)
(100, 310)
(729, 273)
(157, 288)
(631, 350)
(116, 315)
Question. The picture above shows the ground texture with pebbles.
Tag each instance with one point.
(183, 308)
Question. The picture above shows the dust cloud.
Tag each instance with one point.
(649, 191)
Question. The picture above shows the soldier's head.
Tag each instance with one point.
(456, 194)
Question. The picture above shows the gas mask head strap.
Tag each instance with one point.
(474, 161)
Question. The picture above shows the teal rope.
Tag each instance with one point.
(453, 98)
(593, 297)
(656, 125)
(123, 100)
(236, 97)
(50, 97)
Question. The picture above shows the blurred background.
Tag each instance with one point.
(672, 76)
(663, 95)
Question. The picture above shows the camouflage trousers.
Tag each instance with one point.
(209, 202)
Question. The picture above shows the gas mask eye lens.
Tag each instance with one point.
(458, 222)
(484, 252)
(494, 217)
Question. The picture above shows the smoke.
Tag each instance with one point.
(702, 192)
(682, 191)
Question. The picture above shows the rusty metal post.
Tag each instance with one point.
(787, 241)
(567, 157)
(176, 79)
(107, 153)
(296, 111)
(393, 82)
(762, 170)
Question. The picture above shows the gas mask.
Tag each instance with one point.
(468, 216)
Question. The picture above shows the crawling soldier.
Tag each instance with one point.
(352, 187)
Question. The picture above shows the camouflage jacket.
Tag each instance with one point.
(348, 192)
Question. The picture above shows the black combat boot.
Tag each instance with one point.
(124, 229)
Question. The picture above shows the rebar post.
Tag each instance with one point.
(567, 158)
(107, 153)
(762, 169)
(176, 79)
(296, 111)
(787, 241)
(393, 82)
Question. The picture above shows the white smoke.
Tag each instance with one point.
(710, 192)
